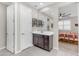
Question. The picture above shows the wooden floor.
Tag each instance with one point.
(69, 41)
(65, 49)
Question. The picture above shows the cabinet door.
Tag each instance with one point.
(10, 28)
(35, 39)
(25, 26)
(46, 42)
(41, 41)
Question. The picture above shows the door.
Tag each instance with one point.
(25, 27)
(41, 41)
(35, 39)
(46, 42)
(10, 28)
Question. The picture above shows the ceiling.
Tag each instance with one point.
(39, 5)
(45, 7)
(6, 3)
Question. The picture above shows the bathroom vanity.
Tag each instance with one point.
(43, 40)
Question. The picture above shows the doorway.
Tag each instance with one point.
(68, 29)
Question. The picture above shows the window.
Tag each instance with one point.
(67, 25)
(64, 25)
(60, 25)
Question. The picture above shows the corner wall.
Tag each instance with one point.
(2, 25)
(55, 27)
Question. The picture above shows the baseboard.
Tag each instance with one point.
(2, 48)
(9, 50)
(23, 49)
(56, 48)
(28, 46)
(17, 52)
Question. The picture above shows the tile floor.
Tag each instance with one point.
(65, 49)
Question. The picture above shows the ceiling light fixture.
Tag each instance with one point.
(41, 3)
(45, 9)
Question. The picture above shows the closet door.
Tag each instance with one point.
(10, 28)
(25, 27)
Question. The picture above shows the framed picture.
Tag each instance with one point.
(47, 19)
(76, 25)
(51, 25)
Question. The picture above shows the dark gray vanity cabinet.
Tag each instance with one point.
(43, 41)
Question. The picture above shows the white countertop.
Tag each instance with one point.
(43, 33)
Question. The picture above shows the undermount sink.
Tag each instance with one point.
(43, 32)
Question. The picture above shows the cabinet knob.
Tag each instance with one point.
(22, 33)
(6, 33)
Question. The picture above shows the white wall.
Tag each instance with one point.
(2, 25)
(39, 15)
(70, 9)
(73, 22)
(78, 24)
(55, 27)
